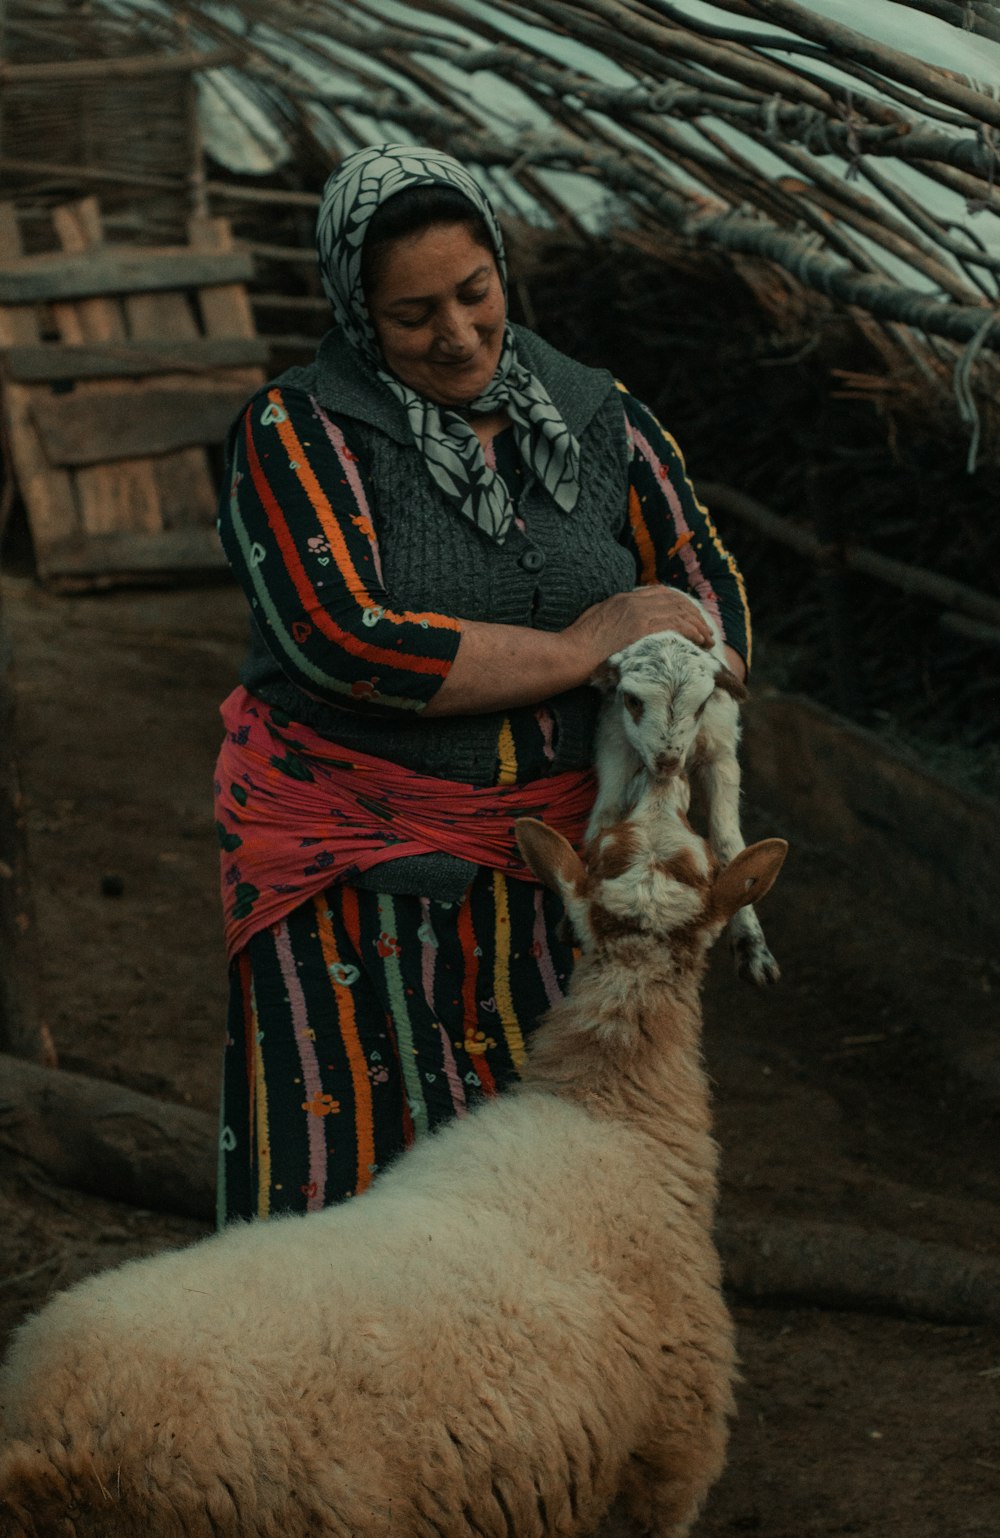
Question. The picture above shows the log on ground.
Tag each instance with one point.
(840, 1266)
(109, 1140)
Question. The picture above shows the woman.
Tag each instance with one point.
(442, 526)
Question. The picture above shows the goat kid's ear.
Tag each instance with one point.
(606, 677)
(726, 680)
(550, 856)
(749, 876)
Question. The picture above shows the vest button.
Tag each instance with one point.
(532, 560)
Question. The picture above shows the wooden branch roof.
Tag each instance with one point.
(854, 165)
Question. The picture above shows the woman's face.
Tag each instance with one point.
(438, 310)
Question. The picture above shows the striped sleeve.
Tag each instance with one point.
(296, 526)
(672, 536)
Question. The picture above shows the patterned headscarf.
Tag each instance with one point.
(451, 450)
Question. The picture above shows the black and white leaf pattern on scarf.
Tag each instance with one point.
(450, 448)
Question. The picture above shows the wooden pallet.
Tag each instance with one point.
(120, 367)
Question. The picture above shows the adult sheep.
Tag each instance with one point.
(519, 1323)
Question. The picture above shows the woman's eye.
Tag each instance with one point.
(475, 298)
(412, 325)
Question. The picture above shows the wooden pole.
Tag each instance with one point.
(917, 583)
(22, 1032)
(844, 42)
(846, 666)
(136, 67)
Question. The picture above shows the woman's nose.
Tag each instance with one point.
(456, 332)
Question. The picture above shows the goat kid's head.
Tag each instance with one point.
(663, 683)
(650, 877)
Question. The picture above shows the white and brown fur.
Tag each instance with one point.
(670, 708)
(517, 1328)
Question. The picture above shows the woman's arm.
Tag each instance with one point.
(673, 537)
(296, 528)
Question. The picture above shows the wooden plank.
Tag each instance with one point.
(225, 311)
(122, 496)
(184, 480)
(189, 549)
(143, 481)
(97, 429)
(53, 276)
(44, 362)
(49, 495)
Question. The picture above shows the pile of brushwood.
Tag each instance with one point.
(824, 425)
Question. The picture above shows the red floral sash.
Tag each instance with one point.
(294, 814)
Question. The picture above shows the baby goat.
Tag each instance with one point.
(672, 707)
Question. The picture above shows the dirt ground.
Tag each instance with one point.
(838, 1094)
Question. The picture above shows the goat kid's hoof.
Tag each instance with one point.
(755, 964)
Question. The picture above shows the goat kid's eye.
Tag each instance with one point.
(633, 704)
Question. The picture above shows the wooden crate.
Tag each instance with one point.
(120, 367)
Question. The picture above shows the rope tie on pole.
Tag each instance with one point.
(853, 141)
(968, 411)
(666, 96)
(771, 110)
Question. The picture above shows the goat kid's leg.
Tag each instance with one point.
(617, 765)
(720, 784)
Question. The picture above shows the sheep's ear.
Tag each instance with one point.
(749, 876)
(726, 680)
(606, 677)
(551, 857)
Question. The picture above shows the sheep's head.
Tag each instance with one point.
(650, 876)
(663, 684)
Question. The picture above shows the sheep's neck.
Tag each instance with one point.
(626, 1042)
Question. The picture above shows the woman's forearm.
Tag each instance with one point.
(498, 667)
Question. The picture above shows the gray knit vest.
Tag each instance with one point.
(435, 560)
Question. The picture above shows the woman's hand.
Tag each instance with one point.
(626, 617)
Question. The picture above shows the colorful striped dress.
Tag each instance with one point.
(365, 1017)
